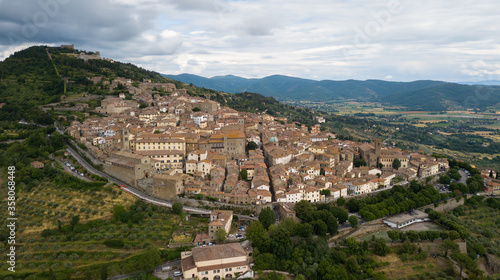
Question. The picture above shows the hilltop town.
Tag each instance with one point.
(180, 145)
(151, 173)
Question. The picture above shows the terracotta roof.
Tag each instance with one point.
(222, 266)
(188, 263)
(224, 251)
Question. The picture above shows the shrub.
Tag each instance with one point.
(114, 243)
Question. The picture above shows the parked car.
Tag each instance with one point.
(231, 236)
(177, 273)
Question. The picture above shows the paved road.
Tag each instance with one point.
(67, 169)
(464, 178)
(174, 266)
(126, 187)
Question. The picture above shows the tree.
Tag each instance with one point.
(432, 235)
(353, 220)
(491, 173)
(328, 218)
(449, 245)
(423, 235)
(443, 235)
(220, 235)
(304, 230)
(359, 162)
(257, 234)
(52, 276)
(464, 261)
(74, 221)
(244, 174)
(413, 236)
(303, 208)
(267, 217)
(444, 179)
(380, 247)
(118, 211)
(177, 208)
(196, 109)
(393, 235)
(252, 145)
(396, 164)
(149, 259)
(104, 272)
(453, 235)
(341, 201)
(352, 265)
(325, 192)
(319, 227)
(340, 214)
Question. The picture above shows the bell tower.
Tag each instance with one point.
(125, 137)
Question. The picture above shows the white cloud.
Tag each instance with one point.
(322, 39)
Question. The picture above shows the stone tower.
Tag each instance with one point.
(125, 138)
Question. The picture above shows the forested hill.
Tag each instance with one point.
(417, 95)
(35, 76)
(42, 75)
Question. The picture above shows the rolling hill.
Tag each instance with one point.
(417, 95)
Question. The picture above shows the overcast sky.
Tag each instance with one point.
(398, 40)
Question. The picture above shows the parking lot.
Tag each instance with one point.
(168, 270)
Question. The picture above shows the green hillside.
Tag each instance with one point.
(417, 95)
(446, 97)
(36, 76)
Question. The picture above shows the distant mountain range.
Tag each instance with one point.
(417, 95)
(483, 83)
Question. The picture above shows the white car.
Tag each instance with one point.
(177, 273)
(231, 236)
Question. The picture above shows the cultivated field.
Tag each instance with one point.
(397, 269)
(79, 251)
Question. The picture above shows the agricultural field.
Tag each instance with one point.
(44, 243)
(483, 224)
(187, 229)
(43, 206)
(414, 269)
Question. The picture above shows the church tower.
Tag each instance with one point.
(125, 138)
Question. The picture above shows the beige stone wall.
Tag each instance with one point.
(449, 205)
(167, 191)
(123, 174)
(432, 247)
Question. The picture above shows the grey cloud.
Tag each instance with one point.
(76, 21)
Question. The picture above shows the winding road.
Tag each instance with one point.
(141, 195)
